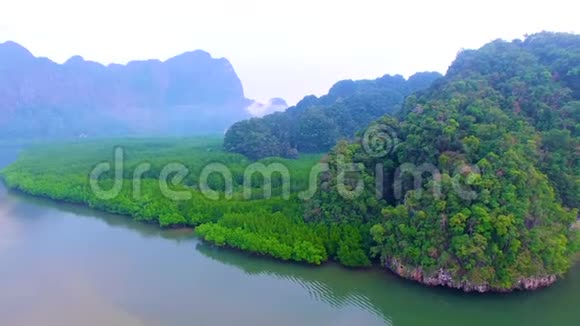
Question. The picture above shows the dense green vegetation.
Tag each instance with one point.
(480, 172)
(314, 125)
(269, 226)
(509, 112)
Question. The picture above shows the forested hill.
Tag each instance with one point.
(496, 142)
(191, 93)
(315, 124)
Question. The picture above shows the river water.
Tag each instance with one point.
(63, 264)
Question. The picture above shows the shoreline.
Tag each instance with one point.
(441, 279)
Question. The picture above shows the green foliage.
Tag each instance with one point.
(273, 226)
(315, 124)
(502, 129)
(269, 234)
(506, 111)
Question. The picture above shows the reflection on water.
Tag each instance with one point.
(8, 229)
(400, 302)
(63, 264)
(317, 284)
(134, 266)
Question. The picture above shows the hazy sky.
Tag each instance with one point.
(280, 48)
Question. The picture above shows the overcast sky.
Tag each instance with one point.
(285, 48)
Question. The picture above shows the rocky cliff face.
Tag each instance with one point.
(191, 93)
(444, 278)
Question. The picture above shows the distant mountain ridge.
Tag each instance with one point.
(191, 93)
(315, 124)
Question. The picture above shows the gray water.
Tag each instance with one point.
(63, 264)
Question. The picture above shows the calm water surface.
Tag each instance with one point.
(63, 264)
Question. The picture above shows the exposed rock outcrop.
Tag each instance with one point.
(444, 278)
